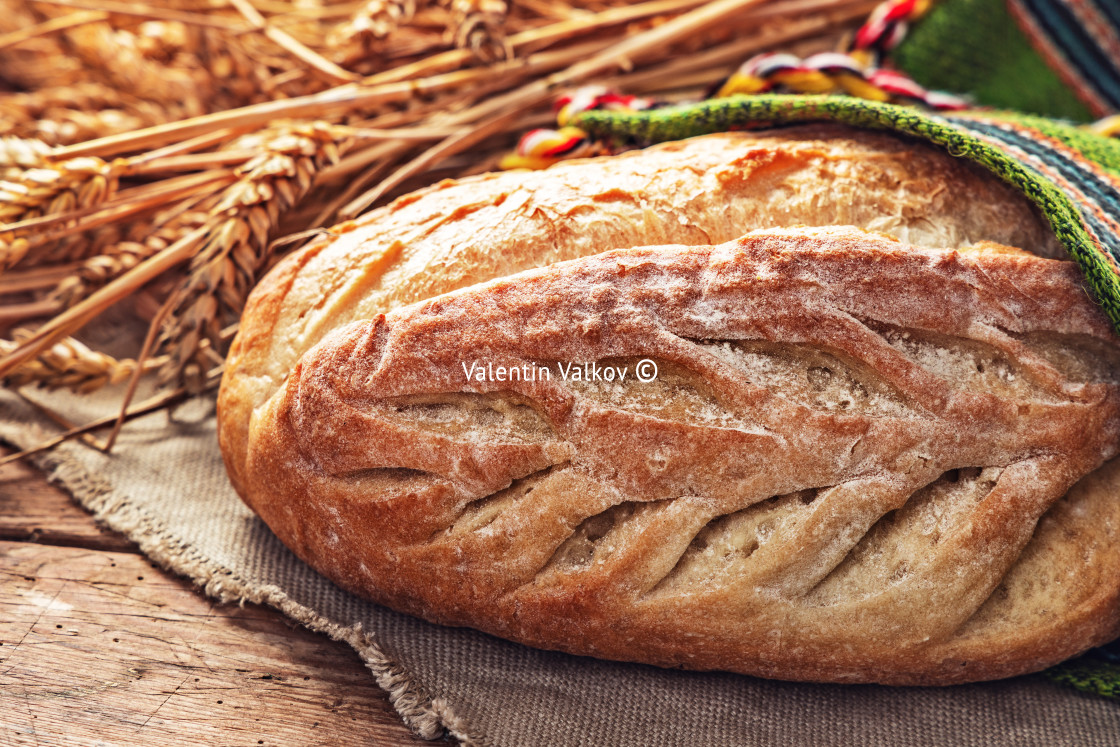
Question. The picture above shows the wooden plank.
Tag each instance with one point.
(100, 647)
(33, 510)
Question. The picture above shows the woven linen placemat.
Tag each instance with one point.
(165, 487)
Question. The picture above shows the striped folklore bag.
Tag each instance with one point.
(1026, 76)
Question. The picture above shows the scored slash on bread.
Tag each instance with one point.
(837, 475)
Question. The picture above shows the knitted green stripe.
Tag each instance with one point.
(717, 115)
(975, 47)
(1089, 674)
(1104, 151)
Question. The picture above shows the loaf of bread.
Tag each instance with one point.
(860, 459)
(821, 455)
(705, 190)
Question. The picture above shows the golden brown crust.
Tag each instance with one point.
(701, 191)
(837, 475)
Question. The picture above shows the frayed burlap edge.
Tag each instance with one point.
(427, 717)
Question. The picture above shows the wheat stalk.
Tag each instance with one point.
(18, 154)
(120, 256)
(49, 188)
(479, 25)
(359, 36)
(235, 246)
(292, 45)
(69, 114)
(207, 20)
(13, 38)
(70, 365)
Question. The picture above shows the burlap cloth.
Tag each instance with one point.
(165, 487)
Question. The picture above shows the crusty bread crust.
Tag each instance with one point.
(705, 191)
(838, 475)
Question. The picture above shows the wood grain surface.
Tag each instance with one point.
(99, 647)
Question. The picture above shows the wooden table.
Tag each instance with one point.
(98, 646)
